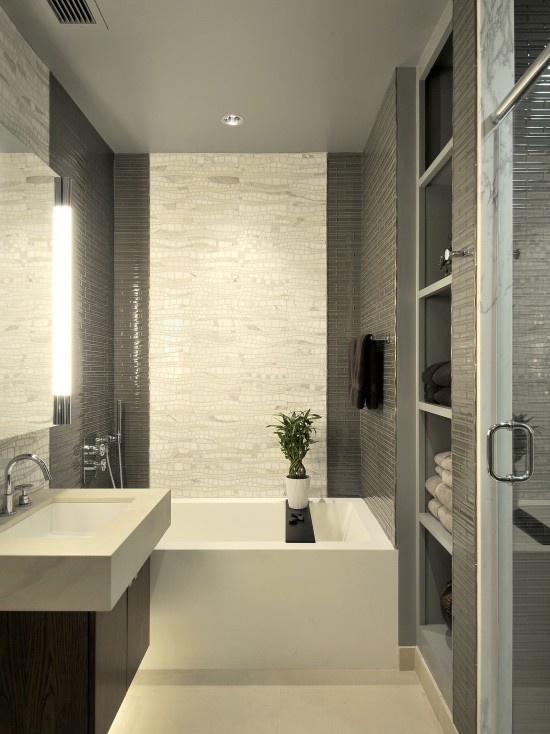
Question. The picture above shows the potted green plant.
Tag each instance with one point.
(295, 434)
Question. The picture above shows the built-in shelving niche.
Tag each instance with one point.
(438, 104)
(436, 220)
(434, 290)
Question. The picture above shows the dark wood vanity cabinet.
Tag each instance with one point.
(68, 672)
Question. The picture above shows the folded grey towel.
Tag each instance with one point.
(429, 392)
(434, 506)
(445, 495)
(427, 375)
(432, 483)
(442, 375)
(443, 397)
(444, 459)
(446, 518)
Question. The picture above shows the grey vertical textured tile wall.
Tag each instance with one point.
(132, 312)
(24, 91)
(531, 374)
(464, 369)
(344, 193)
(78, 151)
(378, 312)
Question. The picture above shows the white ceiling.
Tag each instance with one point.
(307, 75)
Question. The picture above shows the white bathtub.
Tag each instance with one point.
(228, 592)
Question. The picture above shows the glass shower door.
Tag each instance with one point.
(523, 441)
(531, 406)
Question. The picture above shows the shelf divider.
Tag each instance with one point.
(431, 172)
(439, 288)
(436, 529)
(441, 410)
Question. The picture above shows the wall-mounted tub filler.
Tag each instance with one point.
(96, 455)
(7, 508)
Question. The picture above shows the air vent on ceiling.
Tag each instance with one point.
(72, 12)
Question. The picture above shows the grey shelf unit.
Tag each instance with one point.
(434, 324)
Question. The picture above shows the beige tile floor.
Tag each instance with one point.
(275, 702)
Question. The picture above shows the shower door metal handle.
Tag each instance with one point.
(530, 454)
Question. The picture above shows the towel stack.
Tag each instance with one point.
(440, 487)
(437, 383)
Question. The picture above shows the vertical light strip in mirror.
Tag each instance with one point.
(62, 303)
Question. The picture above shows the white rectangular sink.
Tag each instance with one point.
(66, 520)
(78, 549)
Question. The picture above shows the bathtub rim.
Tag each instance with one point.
(379, 541)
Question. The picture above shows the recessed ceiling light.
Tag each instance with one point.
(232, 120)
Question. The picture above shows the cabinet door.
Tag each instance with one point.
(108, 653)
(138, 619)
(43, 672)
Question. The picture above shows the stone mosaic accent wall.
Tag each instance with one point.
(237, 318)
(24, 90)
(378, 313)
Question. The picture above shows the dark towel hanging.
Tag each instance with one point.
(364, 372)
(372, 398)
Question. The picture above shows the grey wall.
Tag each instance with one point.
(378, 314)
(388, 307)
(132, 312)
(344, 192)
(77, 150)
(406, 303)
(464, 369)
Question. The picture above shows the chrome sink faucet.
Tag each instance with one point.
(8, 490)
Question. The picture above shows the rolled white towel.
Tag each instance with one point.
(444, 459)
(447, 477)
(434, 506)
(440, 471)
(446, 518)
(432, 483)
(445, 495)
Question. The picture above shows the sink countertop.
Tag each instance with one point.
(81, 573)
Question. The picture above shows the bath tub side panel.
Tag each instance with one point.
(243, 609)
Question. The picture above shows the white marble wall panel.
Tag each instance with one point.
(494, 357)
(238, 318)
(24, 90)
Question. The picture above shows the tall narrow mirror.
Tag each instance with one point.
(26, 221)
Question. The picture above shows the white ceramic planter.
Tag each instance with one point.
(297, 493)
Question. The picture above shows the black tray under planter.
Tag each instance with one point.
(299, 527)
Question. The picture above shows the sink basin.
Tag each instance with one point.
(66, 520)
(77, 550)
